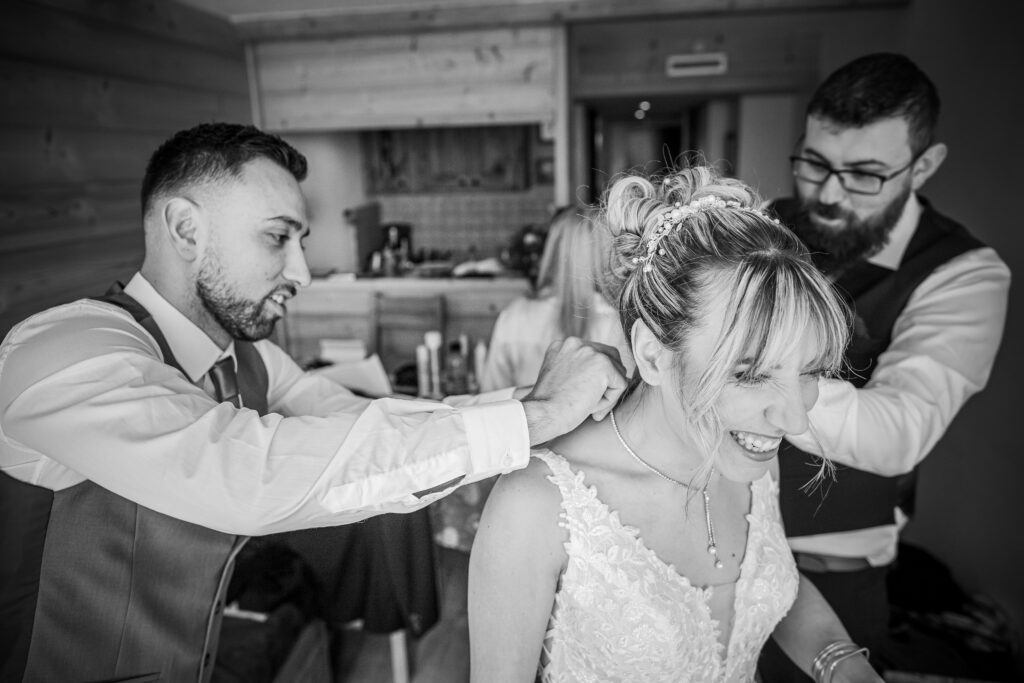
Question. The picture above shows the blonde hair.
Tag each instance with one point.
(776, 295)
(574, 265)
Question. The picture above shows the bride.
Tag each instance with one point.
(649, 546)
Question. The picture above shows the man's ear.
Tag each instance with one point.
(182, 223)
(927, 164)
(652, 358)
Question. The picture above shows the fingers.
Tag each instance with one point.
(611, 353)
(608, 400)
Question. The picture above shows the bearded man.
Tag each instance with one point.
(146, 433)
(929, 303)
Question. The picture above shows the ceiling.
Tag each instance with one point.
(280, 19)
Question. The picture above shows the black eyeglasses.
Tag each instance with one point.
(857, 182)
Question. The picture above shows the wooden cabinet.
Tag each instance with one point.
(338, 309)
(490, 158)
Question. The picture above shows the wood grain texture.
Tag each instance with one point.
(270, 19)
(764, 52)
(88, 90)
(454, 78)
(54, 96)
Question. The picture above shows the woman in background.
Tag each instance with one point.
(570, 300)
(649, 546)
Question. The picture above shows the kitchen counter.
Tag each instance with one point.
(340, 307)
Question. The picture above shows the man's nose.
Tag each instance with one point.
(831, 191)
(296, 269)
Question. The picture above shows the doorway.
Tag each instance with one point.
(653, 134)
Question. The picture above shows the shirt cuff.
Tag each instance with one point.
(497, 436)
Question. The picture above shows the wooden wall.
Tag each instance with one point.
(88, 89)
(472, 77)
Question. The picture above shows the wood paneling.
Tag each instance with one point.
(47, 35)
(273, 20)
(765, 53)
(88, 89)
(466, 77)
(53, 96)
(30, 156)
(67, 214)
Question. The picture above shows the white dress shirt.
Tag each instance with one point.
(85, 394)
(944, 343)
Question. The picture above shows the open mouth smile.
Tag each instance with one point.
(756, 445)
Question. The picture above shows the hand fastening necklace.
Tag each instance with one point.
(712, 545)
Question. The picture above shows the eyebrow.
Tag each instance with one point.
(853, 164)
(294, 225)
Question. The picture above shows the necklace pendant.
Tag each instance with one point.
(718, 564)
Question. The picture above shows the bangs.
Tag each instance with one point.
(777, 302)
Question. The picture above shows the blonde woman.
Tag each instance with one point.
(649, 546)
(570, 300)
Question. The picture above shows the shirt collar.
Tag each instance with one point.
(892, 253)
(192, 348)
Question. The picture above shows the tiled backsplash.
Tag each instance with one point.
(457, 221)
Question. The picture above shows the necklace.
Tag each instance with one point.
(712, 545)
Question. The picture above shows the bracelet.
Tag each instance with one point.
(825, 662)
(835, 662)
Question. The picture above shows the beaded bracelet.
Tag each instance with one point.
(826, 661)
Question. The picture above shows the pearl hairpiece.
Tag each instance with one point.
(674, 217)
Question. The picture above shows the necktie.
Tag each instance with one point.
(225, 384)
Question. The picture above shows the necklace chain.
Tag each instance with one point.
(712, 545)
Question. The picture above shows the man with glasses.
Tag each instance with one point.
(929, 303)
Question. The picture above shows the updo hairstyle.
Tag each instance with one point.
(721, 242)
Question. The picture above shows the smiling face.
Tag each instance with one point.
(759, 394)
(846, 225)
(251, 258)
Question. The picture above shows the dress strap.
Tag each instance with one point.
(561, 475)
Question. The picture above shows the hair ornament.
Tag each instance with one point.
(674, 217)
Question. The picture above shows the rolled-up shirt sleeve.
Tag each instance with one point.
(84, 394)
(944, 344)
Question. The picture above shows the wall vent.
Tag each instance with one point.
(703, 64)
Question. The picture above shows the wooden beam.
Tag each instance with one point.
(447, 15)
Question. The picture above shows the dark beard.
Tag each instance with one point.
(833, 251)
(242, 319)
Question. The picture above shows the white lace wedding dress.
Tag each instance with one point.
(622, 614)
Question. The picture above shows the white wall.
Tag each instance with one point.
(335, 183)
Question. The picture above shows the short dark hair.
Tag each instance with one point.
(879, 86)
(211, 151)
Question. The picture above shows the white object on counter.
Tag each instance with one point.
(479, 360)
(423, 370)
(433, 342)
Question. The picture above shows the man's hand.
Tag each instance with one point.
(577, 379)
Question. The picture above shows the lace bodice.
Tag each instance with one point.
(622, 614)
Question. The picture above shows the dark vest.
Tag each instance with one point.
(858, 499)
(98, 587)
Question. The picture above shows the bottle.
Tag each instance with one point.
(456, 376)
(423, 386)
